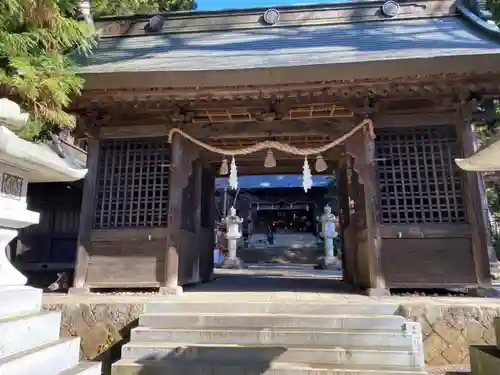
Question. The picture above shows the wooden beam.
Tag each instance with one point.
(487, 82)
(361, 147)
(182, 156)
(174, 214)
(476, 204)
(86, 218)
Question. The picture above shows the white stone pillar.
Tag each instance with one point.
(9, 275)
(233, 234)
(15, 297)
(328, 223)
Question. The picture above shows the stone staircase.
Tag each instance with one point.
(281, 255)
(29, 339)
(485, 360)
(273, 337)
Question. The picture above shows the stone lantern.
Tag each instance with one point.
(233, 234)
(29, 337)
(328, 228)
(13, 212)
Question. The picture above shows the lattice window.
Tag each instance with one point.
(132, 186)
(417, 177)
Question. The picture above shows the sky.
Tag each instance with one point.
(238, 4)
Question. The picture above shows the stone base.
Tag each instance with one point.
(19, 300)
(232, 263)
(377, 292)
(79, 291)
(495, 270)
(329, 264)
(171, 291)
(484, 360)
(483, 292)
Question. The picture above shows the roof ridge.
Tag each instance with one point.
(291, 16)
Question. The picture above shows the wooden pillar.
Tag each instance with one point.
(475, 202)
(208, 266)
(197, 256)
(362, 147)
(344, 209)
(174, 216)
(86, 217)
(181, 162)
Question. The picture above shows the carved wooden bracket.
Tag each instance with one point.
(466, 109)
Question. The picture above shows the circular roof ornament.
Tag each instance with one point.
(271, 16)
(155, 24)
(390, 8)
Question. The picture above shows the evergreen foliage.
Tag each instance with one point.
(127, 7)
(494, 7)
(35, 70)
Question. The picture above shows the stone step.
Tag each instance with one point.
(19, 300)
(174, 367)
(274, 307)
(84, 368)
(484, 360)
(376, 356)
(261, 321)
(306, 338)
(26, 332)
(48, 359)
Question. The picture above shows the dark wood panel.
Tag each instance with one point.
(53, 239)
(425, 231)
(137, 131)
(207, 198)
(425, 263)
(125, 264)
(190, 201)
(128, 234)
(127, 248)
(122, 272)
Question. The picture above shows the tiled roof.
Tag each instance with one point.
(291, 46)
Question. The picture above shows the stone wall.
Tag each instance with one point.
(448, 328)
(103, 328)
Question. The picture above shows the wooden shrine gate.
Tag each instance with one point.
(417, 222)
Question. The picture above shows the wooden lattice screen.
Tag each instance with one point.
(418, 180)
(132, 183)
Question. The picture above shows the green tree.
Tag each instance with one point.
(494, 7)
(127, 7)
(35, 70)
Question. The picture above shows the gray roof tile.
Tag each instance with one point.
(285, 47)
